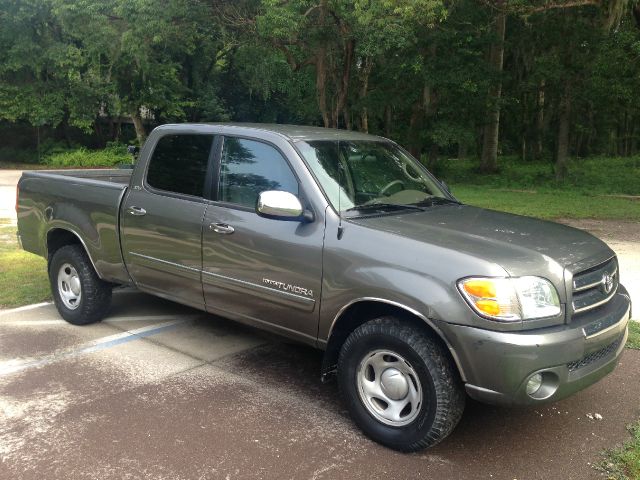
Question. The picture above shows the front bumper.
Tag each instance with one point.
(497, 365)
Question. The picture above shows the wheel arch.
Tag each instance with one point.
(58, 237)
(360, 311)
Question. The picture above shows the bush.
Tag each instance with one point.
(114, 154)
(17, 155)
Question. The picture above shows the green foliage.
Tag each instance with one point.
(111, 156)
(413, 70)
(623, 463)
(17, 155)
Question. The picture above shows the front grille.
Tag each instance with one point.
(595, 286)
(595, 356)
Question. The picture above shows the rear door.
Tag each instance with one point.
(162, 219)
(262, 271)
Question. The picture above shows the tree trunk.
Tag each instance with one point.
(432, 160)
(525, 129)
(489, 158)
(627, 134)
(141, 133)
(321, 71)
(346, 117)
(343, 84)
(564, 119)
(415, 146)
(321, 86)
(364, 120)
(387, 120)
(118, 130)
(462, 150)
(364, 89)
(540, 124)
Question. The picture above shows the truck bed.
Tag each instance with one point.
(85, 202)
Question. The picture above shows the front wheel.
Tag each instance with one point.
(399, 384)
(81, 297)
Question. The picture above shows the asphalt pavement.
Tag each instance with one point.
(161, 391)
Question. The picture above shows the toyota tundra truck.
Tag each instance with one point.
(342, 241)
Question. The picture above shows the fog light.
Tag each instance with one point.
(534, 384)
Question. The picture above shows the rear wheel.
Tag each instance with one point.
(79, 294)
(399, 384)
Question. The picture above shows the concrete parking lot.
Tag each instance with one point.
(161, 391)
(8, 181)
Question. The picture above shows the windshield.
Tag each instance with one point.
(364, 175)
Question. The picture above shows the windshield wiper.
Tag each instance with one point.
(378, 206)
(429, 202)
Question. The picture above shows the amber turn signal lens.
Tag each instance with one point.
(480, 288)
(490, 307)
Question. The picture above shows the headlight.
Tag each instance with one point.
(511, 299)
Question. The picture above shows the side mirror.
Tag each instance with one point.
(280, 205)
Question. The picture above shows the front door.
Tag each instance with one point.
(162, 220)
(261, 271)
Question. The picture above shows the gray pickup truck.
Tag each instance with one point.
(342, 241)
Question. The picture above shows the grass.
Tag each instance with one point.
(599, 188)
(634, 336)
(23, 276)
(550, 205)
(623, 463)
(592, 176)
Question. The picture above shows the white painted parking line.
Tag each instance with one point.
(22, 309)
(30, 323)
(16, 365)
(60, 321)
(140, 318)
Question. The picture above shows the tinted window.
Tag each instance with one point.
(179, 163)
(248, 168)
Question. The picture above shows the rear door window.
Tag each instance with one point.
(179, 164)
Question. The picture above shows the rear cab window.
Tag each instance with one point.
(179, 164)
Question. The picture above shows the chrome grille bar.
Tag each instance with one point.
(595, 286)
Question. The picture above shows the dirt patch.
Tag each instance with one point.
(607, 230)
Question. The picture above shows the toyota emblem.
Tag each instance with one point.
(607, 282)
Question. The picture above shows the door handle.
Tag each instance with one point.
(138, 211)
(221, 228)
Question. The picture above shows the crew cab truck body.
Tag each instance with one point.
(342, 241)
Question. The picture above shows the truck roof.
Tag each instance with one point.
(295, 133)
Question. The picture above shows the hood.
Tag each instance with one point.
(514, 242)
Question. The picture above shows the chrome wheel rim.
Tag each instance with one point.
(69, 286)
(389, 388)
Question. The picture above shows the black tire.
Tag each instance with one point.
(95, 298)
(443, 397)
